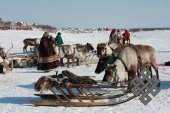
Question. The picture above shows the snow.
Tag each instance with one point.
(17, 87)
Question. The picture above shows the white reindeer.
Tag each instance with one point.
(5, 60)
(75, 51)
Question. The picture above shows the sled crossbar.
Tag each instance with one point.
(51, 96)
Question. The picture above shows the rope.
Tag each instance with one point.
(118, 57)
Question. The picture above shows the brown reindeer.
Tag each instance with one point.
(31, 42)
(45, 83)
(134, 57)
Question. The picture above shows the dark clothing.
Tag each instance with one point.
(48, 66)
(167, 63)
(43, 49)
(126, 34)
(59, 40)
(126, 37)
(47, 56)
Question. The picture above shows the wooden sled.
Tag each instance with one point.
(70, 94)
(23, 60)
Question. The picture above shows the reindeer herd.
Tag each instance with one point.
(75, 51)
(127, 59)
(72, 52)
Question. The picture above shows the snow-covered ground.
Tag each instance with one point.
(16, 88)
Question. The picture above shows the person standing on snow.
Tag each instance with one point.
(126, 37)
(59, 40)
(48, 59)
(115, 37)
(59, 43)
(120, 38)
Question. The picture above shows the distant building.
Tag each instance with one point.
(1, 23)
(14, 25)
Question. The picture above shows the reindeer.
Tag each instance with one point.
(5, 62)
(88, 56)
(25, 62)
(87, 51)
(75, 51)
(31, 42)
(134, 57)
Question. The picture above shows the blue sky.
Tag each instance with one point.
(89, 13)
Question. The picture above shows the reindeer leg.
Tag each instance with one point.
(61, 62)
(157, 73)
(150, 69)
(11, 65)
(131, 75)
(156, 70)
(78, 63)
(6, 66)
(138, 72)
(129, 80)
(84, 59)
(72, 61)
(68, 62)
(24, 49)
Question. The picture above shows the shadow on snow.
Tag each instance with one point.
(17, 100)
(27, 86)
(165, 84)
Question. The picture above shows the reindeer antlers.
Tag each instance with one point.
(9, 49)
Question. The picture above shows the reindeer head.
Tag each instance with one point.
(4, 52)
(110, 74)
(89, 47)
(103, 50)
